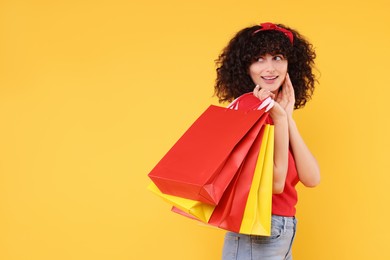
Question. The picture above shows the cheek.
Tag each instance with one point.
(254, 70)
(251, 72)
(284, 74)
(283, 70)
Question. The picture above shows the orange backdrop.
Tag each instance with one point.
(93, 93)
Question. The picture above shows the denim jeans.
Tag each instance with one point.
(250, 247)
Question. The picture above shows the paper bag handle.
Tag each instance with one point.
(267, 103)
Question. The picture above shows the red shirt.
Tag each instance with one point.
(283, 204)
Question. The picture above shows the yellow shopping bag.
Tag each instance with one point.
(197, 209)
(258, 209)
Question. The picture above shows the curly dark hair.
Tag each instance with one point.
(246, 47)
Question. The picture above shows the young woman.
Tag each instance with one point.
(272, 60)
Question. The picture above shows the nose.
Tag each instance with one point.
(270, 65)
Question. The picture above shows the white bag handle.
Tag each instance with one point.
(268, 103)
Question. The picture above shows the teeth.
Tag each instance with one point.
(270, 77)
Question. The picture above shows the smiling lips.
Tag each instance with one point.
(269, 79)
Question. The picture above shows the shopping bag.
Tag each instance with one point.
(247, 203)
(230, 210)
(237, 191)
(190, 208)
(203, 162)
(258, 208)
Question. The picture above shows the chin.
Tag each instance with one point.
(275, 89)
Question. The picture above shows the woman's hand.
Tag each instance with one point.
(286, 97)
(262, 94)
(277, 112)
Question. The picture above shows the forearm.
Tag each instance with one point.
(307, 166)
(281, 144)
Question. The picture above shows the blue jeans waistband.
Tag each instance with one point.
(285, 222)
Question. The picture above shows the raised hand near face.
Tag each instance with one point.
(286, 97)
(277, 112)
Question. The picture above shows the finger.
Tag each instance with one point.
(267, 93)
(280, 95)
(263, 94)
(288, 90)
(256, 90)
(287, 84)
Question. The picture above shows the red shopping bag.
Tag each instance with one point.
(246, 205)
(203, 162)
(229, 212)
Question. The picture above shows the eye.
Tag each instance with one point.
(278, 57)
(260, 59)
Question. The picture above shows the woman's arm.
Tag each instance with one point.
(281, 143)
(307, 166)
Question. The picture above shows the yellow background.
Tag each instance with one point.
(93, 93)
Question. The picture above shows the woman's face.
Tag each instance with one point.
(269, 71)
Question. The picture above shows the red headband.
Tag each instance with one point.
(271, 26)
